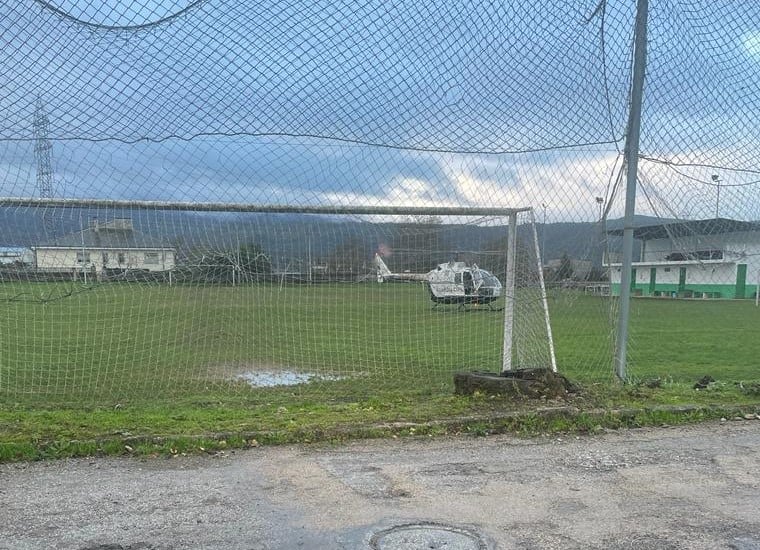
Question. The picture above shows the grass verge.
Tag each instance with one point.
(213, 427)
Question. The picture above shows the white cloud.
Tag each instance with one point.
(567, 183)
(751, 44)
(691, 192)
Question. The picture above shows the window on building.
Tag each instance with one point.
(151, 258)
(83, 257)
(695, 255)
(120, 257)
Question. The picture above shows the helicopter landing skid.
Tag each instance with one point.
(463, 307)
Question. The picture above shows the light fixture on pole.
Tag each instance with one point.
(600, 202)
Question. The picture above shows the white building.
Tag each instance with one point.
(113, 245)
(714, 258)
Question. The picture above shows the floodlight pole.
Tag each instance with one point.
(543, 234)
(509, 294)
(84, 256)
(631, 163)
(716, 179)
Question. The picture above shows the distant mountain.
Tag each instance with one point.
(289, 236)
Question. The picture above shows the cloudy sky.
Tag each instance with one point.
(405, 103)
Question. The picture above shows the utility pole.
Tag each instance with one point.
(43, 153)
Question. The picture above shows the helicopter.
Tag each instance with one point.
(450, 283)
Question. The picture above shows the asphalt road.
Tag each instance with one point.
(680, 487)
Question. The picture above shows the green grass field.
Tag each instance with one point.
(149, 369)
(135, 342)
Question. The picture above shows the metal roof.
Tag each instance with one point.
(687, 228)
(13, 250)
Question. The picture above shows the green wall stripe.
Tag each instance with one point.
(741, 281)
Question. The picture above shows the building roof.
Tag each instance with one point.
(105, 237)
(687, 228)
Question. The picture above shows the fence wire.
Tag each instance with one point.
(406, 104)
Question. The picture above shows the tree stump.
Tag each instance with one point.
(529, 383)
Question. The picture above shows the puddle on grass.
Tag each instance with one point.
(269, 379)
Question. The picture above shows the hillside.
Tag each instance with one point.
(288, 236)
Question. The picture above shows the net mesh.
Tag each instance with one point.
(222, 312)
(335, 104)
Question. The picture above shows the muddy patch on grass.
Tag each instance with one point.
(270, 379)
(264, 375)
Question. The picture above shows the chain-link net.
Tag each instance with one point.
(310, 105)
(695, 264)
(343, 303)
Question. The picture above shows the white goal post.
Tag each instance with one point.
(511, 292)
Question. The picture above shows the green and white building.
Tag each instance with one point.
(714, 258)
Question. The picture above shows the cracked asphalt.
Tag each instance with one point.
(694, 487)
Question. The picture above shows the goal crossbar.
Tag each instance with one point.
(262, 208)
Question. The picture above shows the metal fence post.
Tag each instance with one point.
(631, 160)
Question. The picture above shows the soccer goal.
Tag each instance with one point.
(157, 297)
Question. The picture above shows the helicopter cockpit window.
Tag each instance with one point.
(490, 280)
